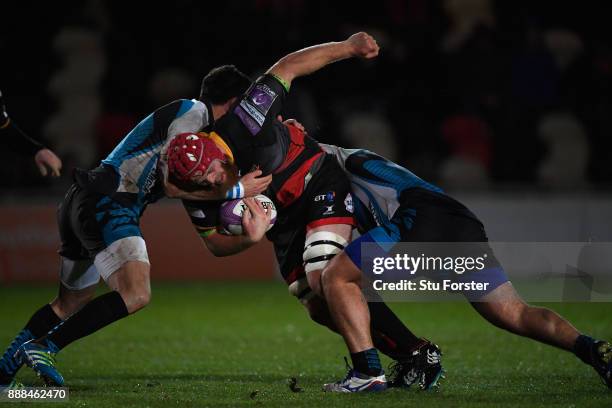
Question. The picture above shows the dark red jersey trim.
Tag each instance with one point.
(293, 187)
(330, 221)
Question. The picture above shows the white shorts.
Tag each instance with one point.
(76, 275)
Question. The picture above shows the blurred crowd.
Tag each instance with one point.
(471, 94)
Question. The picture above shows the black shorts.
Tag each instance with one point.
(326, 200)
(429, 217)
(89, 222)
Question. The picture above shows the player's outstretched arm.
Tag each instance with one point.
(255, 222)
(308, 60)
(17, 140)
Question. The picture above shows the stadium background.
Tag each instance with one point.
(504, 104)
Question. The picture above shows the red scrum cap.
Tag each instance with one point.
(190, 155)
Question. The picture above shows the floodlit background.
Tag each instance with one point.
(505, 104)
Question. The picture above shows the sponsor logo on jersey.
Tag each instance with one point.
(256, 105)
(348, 203)
(262, 98)
(247, 120)
(330, 197)
(253, 112)
(150, 180)
(329, 210)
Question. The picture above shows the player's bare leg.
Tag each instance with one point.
(130, 292)
(70, 301)
(341, 281)
(132, 282)
(504, 308)
(344, 294)
(322, 244)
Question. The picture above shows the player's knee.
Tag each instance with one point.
(141, 301)
(340, 271)
(132, 283)
(136, 300)
(320, 248)
(330, 276)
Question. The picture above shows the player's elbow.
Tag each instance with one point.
(285, 69)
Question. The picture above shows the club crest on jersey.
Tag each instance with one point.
(348, 203)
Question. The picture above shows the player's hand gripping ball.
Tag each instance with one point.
(231, 214)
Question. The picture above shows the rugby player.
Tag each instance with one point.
(392, 205)
(311, 193)
(101, 238)
(16, 140)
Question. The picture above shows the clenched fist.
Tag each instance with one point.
(363, 45)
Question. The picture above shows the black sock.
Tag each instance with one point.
(367, 362)
(389, 334)
(97, 314)
(43, 320)
(584, 349)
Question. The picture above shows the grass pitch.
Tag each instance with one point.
(238, 344)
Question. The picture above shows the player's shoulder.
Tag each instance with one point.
(182, 115)
(354, 157)
(181, 106)
(365, 163)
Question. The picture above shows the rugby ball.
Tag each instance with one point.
(230, 217)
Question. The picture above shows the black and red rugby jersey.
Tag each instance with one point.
(258, 139)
